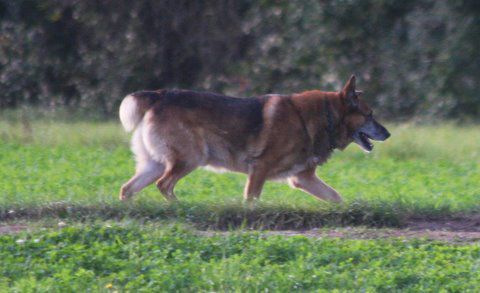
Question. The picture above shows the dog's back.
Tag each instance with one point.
(235, 116)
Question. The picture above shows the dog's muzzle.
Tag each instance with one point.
(371, 130)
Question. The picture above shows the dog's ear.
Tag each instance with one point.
(349, 93)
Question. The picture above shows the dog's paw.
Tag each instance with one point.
(124, 194)
(336, 198)
(250, 203)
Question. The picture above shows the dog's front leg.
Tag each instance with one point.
(255, 182)
(309, 182)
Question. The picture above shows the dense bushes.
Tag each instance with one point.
(412, 57)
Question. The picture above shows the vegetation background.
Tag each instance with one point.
(413, 58)
(65, 65)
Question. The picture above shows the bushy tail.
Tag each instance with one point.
(134, 106)
(130, 116)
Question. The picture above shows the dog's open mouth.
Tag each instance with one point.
(363, 140)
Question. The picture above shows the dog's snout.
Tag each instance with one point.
(381, 132)
(387, 134)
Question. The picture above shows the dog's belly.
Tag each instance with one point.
(220, 158)
(287, 170)
(295, 169)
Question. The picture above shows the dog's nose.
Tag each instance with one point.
(387, 134)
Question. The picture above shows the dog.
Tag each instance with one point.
(270, 137)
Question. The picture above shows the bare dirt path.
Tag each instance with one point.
(458, 229)
(457, 223)
(369, 233)
(455, 229)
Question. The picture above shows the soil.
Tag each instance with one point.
(369, 233)
(455, 229)
(457, 223)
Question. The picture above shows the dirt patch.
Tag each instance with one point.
(370, 233)
(456, 223)
(457, 228)
(357, 233)
(454, 229)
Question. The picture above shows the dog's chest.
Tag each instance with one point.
(297, 167)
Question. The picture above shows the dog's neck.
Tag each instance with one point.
(330, 124)
(321, 116)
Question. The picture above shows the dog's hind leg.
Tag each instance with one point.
(309, 182)
(147, 173)
(254, 186)
(173, 173)
(147, 169)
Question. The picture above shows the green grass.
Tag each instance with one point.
(131, 257)
(75, 169)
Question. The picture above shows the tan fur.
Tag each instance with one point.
(288, 137)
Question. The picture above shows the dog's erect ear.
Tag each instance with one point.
(349, 93)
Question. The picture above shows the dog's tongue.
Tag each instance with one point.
(367, 145)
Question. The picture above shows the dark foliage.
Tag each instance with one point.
(411, 57)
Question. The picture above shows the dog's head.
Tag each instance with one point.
(360, 124)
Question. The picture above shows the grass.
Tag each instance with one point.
(75, 169)
(72, 170)
(131, 257)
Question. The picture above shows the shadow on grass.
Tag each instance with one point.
(230, 215)
(222, 216)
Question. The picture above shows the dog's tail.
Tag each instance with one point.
(134, 106)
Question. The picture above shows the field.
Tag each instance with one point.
(71, 171)
(132, 257)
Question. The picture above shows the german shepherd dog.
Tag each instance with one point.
(267, 137)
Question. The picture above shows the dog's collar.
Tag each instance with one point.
(330, 124)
